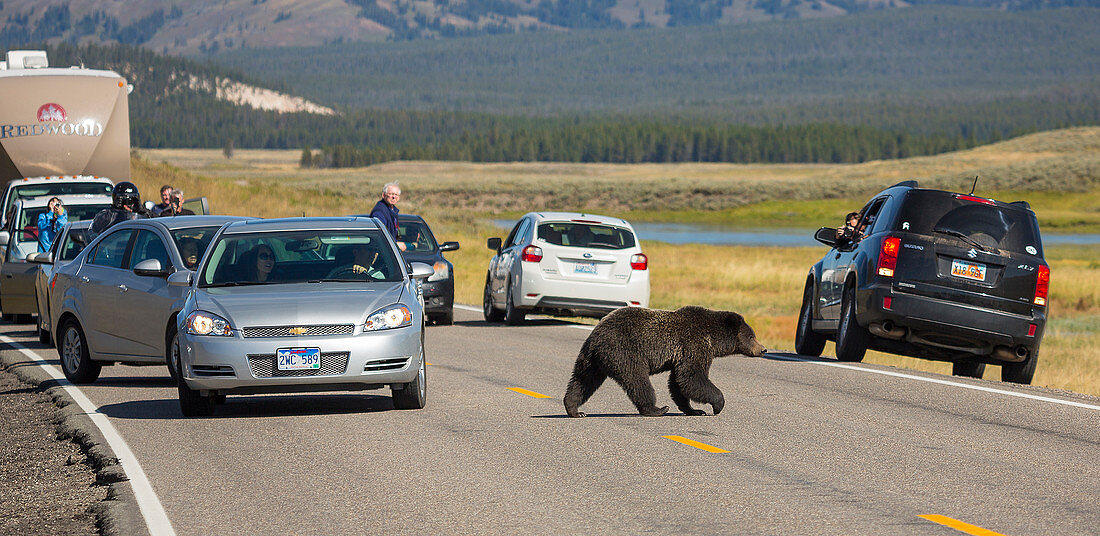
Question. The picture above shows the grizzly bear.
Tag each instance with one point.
(632, 343)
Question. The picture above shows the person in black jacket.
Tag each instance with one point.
(386, 210)
(125, 205)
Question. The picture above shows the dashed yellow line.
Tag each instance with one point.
(528, 393)
(960, 526)
(696, 444)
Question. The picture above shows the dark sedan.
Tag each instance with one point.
(421, 246)
(932, 274)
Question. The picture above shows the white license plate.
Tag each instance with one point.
(968, 270)
(584, 268)
(298, 358)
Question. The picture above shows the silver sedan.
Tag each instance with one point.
(301, 304)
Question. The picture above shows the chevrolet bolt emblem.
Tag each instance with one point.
(298, 331)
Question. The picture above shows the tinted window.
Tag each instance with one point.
(72, 246)
(299, 256)
(111, 250)
(192, 244)
(586, 235)
(149, 246)
(58, 188)
(29, 217)
(943, 214)
(416, 236)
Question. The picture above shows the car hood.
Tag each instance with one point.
(299, 304)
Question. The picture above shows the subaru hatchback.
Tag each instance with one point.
(936, 275)
(565, 263)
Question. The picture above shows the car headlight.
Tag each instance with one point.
(394, 316)
(204, 323)
(442, 271)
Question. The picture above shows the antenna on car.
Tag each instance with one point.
(975, 185)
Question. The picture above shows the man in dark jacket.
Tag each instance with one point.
(125, 205)
(386, 210)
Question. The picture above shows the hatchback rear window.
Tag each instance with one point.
(941, 213)
(586, 235)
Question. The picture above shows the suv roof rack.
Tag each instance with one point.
(909, 183)
(1024, 204)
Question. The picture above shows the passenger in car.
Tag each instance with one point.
(847, 232)
(257, 263)
(578, 235)
(189, 252)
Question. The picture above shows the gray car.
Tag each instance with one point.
(112, 303)
(301, 304)
(66, 246)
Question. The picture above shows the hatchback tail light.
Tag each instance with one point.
(973, 199)
(639, 262)
(888, 257)
(1042, 285)
(532, 254)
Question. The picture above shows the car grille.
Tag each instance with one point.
(332, 364)
(310, 331)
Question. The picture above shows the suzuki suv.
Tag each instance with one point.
(935, 275)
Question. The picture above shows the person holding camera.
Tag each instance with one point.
(175, 205)
(50, 223)
(125, 205)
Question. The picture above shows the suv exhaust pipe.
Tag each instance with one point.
(887, 330)
(1012, 355)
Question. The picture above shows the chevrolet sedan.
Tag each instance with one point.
(298, 305)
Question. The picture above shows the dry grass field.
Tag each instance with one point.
(1057, 172)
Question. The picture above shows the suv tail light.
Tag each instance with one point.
(1042, 285)
(531, 254)
(888, 257)
(971, 198)
(639, 262)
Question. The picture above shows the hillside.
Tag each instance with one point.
(208, 26)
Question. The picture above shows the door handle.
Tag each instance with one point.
(84, 278)
(123, 288)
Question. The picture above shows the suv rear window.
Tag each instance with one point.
(931, 212)
(586, 235)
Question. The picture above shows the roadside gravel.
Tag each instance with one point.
(48, 486)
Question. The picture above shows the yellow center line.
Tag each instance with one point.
(695, 444)
(528, 393)
(960, 526)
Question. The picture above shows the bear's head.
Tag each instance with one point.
(744, 338)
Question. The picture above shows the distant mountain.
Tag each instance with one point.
(210, 26)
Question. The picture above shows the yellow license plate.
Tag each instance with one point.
(968, 270)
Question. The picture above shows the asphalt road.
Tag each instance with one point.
(811, 447)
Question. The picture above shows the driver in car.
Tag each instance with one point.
(360, 260)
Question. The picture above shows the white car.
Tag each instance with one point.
(565, 263)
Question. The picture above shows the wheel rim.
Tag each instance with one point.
(842, 331)
(72, 349)
(422, 376)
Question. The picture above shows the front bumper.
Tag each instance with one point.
(439, 296)
(237, 365)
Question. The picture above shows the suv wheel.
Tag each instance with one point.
(1021, 372)
(806, 340)
(490, 313)
(513, 316)
(414, 394)
(851, 339)
(75, 360)
(968, 369)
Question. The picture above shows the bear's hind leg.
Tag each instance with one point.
(586, 379)
(640, 391)
(678, 397)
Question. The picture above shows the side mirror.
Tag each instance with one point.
(494, 244)
(150, 268)
(40, 257)
(421, 270)
(827, 236)
(182, 278)
(448, 246)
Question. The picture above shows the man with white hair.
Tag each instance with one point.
(386, 210)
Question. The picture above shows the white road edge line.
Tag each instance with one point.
(891, 373)
(156, 519)
(943, 382)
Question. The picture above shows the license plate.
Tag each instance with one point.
(584, 268)
(968, 270)
(298, 358)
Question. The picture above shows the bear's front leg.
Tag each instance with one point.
(695, 385)
(678, 397)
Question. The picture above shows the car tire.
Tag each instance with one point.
(76, 362)
(807, 341)
(967, 369)
(513, 316)
(172, 351)
(851, 339)
(1021, 372)
(491, 314)
(192, 402)
(413, 395)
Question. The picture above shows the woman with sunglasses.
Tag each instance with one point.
(259, 262)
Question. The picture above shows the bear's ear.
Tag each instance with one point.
(734, 320)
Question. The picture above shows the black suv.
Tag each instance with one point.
(935, 275)
(439, 289)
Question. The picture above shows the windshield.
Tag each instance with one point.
(300, 256)
(979, 224)
(586, 235)
(416, 236)
(192, 243)
(24, 191)
(25, 234)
